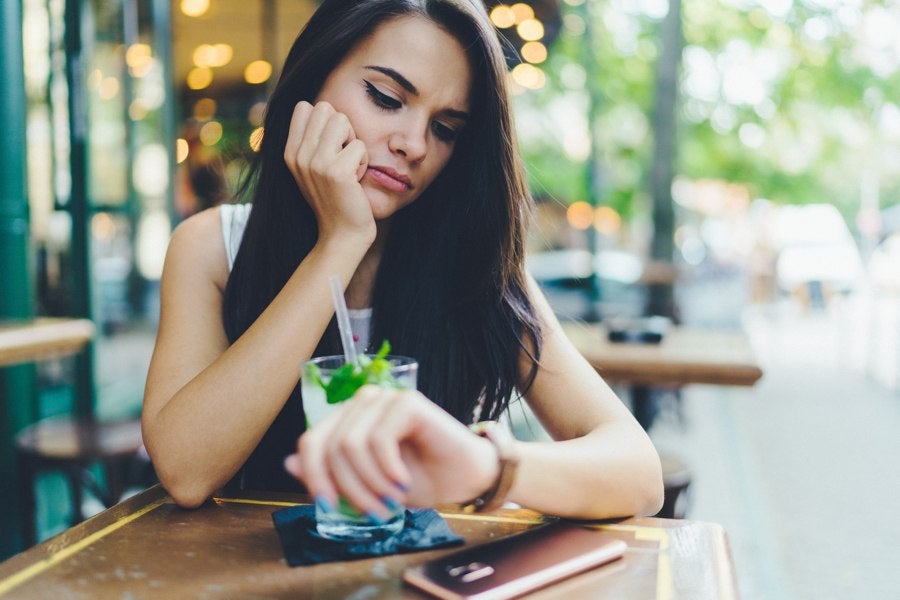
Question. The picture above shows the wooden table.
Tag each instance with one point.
(686, 355)
(43, 337)
(147, 547)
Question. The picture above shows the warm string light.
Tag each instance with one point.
(530, 29)
(194, 8)
(212, 55)
(257, 72)
(604, 219)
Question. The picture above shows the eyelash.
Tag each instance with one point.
(381, 99)
(387, 103)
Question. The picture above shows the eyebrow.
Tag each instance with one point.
(407, 85)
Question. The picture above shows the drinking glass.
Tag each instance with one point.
(344, 522)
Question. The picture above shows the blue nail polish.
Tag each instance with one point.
(392, 504)
(401, 486)
(375, 518)
(323, 504)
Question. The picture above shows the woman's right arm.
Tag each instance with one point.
(207, 404)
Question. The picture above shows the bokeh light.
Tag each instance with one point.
(182, 149)
(199, 78)
(194, 8)
(522, 11)
(256, 114)
(256, 138)
(503, 17)
(205, 109)
(212, 55)
(137, 111)
(534, 52)
(139, 58)
(607, 221)
(530, 30)
(528, 76)
(211, 133)
(580, 215)
(258, 71)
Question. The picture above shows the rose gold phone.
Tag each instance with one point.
(516, 564)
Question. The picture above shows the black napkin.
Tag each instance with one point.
(423, 529)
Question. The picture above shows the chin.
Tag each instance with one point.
(384, 205)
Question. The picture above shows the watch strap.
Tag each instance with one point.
(507, 460)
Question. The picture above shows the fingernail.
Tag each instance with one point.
(401, 486)
(375, 518)
(392, 504)
(323, 504)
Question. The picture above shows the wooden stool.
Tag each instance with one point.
(72, 446)
(676, 480)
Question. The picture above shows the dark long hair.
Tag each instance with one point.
(450, 289)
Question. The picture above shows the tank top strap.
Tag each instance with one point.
(234, 221)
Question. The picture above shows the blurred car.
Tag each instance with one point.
(884, 263)
(815, 248)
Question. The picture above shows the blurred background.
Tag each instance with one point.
(725, 164)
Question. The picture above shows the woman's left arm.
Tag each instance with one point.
(601, 462)
(385, 445)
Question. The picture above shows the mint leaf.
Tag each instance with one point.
(349, 378)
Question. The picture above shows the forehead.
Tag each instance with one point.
(424, 53)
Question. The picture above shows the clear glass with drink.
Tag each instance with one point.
(326, 382)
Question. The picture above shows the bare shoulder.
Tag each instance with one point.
(197, 245)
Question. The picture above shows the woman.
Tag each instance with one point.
(389, 159)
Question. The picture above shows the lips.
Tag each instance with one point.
(390, 179)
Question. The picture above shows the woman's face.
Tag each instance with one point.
(405, 89)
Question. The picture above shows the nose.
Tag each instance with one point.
(410, 141)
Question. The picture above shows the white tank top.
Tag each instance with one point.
(234, 221)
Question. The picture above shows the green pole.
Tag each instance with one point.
(78, 204)
(18, 405)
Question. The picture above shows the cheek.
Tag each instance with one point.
(441, 160)
(353, 106)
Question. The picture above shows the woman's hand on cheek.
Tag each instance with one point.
(327, 162)
(390, 445)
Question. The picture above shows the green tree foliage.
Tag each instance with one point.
(799, 101)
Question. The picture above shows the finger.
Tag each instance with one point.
(354, 156)
(337, 132)
(383, 448)
(297, 127)
(319, 117)
(310, 466)
(362, 153)
(359, 432)
(352, 489)
(328, 157)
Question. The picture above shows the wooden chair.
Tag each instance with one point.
(73, 446)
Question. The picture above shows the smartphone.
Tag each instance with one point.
(516, 564)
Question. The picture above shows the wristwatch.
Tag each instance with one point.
(508, 461)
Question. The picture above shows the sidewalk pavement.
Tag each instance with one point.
(801, 470)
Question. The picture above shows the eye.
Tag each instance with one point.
(444, 132)
(381, 99)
